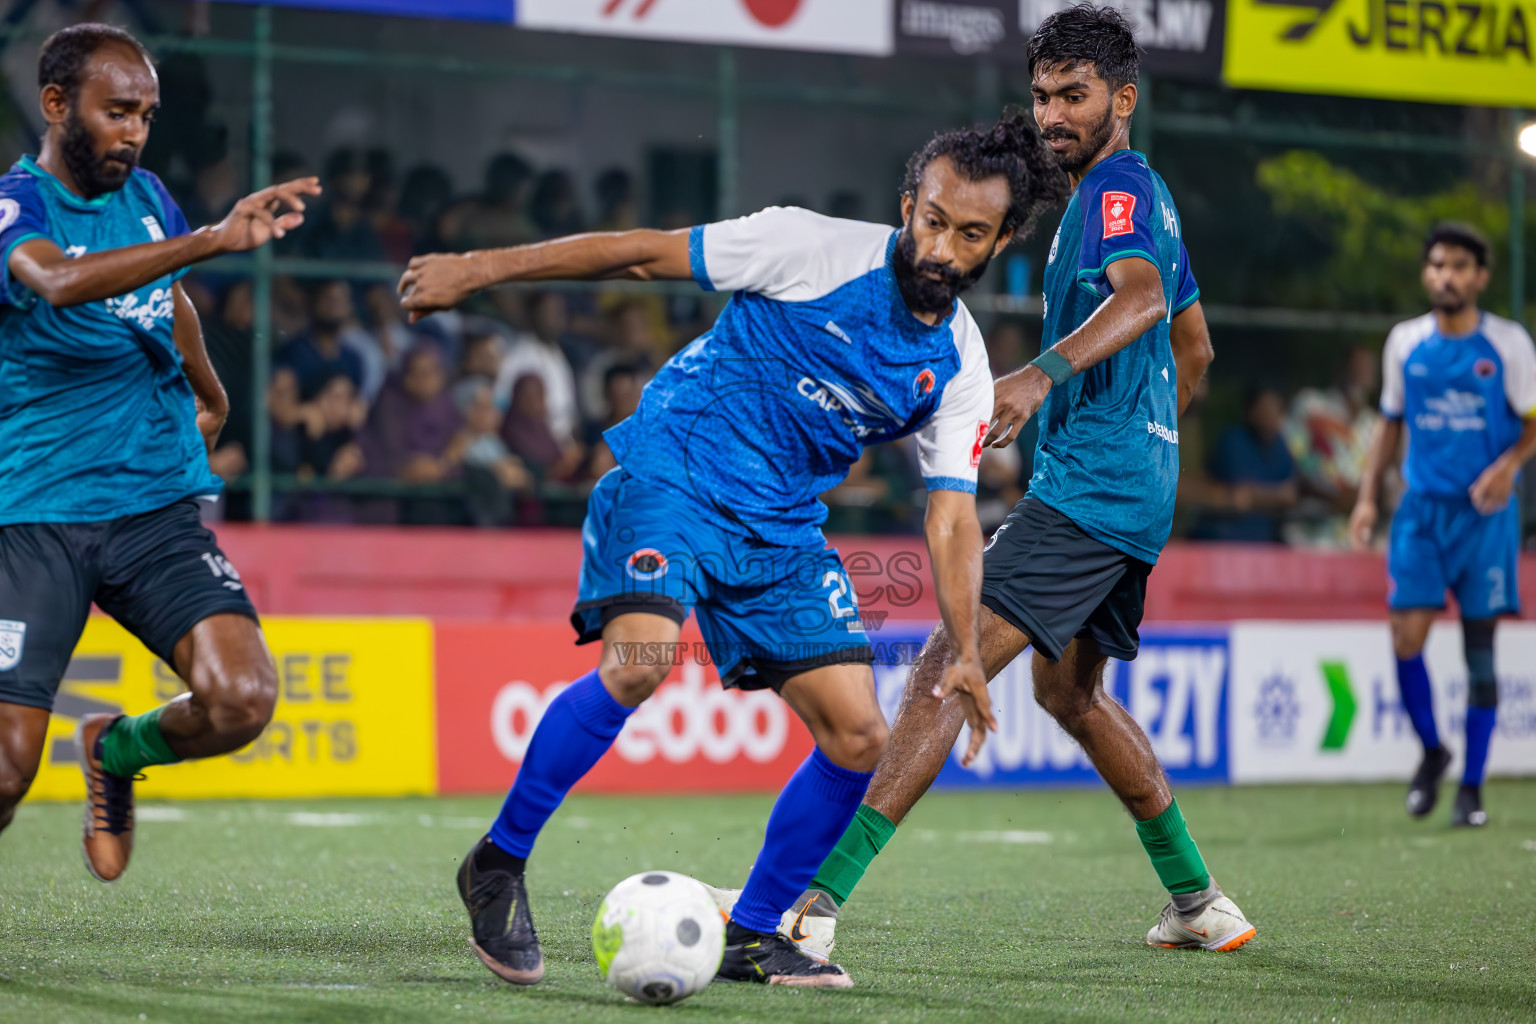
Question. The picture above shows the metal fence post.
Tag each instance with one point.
(1517, 223)
(729, 164)
(261, 283)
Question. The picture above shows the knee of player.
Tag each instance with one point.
(857, 745)
(1065, 704)
(631, 684)
(243, 701)
(13, 785)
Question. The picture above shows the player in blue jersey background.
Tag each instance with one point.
(1462, 383)
(1123, 347)
(108, 409)
(839, 334)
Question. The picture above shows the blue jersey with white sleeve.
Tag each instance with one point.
(97, 420)
(1108, 454)
(1463, 400)
(815, 357)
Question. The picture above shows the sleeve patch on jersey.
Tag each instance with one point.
(1118, 207)
(10, 209)
(981, 435)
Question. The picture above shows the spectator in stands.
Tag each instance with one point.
(411, 429)
(492, 474)
(303, 365)
(554, 208)
(496, 217)
(1329, 432)
(423, 198)
(484, 348)
(228, 340)
(621, 397)
(1251, 479)
(290, 307)
(328, 442)
(537, 351)
(341, 228)
(617, 206)
(389, 336)
(634, 342)
(529, 436)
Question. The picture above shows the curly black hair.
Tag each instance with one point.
(1463, 236)
(65, 54)
(1087, 33)
(1012, 149)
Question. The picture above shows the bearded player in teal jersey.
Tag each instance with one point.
(1124, 345)
(108, 406)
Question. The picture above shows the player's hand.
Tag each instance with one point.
(210, 421)
(967, 679)
(1015, 398)
(437, 282)
(1491, 490)
(262, 216)
(1362, 524)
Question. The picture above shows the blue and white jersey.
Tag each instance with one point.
(1464, 400)
(97, 420)
(815, 357)
(1108, 456)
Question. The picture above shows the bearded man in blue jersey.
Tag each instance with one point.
(108, 408)
(1124, 344)
(1461, 383)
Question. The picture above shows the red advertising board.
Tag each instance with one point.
(495, 679)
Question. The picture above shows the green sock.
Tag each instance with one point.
(1174, 855)
(134, 743)
(867, 835)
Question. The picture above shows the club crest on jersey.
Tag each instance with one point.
(923, 384)
(1118, 207)
(981, 435)
(647, 564)
(10, 210)
(13, 637)
(152, 225)
(1484, 368)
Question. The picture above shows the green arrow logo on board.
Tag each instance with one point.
(1336, 675)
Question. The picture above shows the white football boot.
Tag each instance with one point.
(809, 924)
(1216, 925)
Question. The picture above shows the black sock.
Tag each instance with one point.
(736, 934)
(490, 857)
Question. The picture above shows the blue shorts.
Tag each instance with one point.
(767, 613)
(1441, 544)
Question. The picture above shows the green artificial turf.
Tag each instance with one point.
(1016, 907)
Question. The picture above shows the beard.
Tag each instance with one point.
(924, 294)
(93, 173)
(1098, 138)
(1447, 301)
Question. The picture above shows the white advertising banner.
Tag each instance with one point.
(837, 26)
(1319, 701)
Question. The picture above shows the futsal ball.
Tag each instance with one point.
(658, 937)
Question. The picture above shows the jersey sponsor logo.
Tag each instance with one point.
(837, 332)
(923, 384)
(1118, 207)
(160, 306)
(1485, 368)
(854, 403)
(13, 636)
(646, 564)
(10, 209)
(981, 435)
(1455, 410)
(1171, 436)
(156, 232)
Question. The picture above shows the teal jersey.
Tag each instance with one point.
(97, 420)
(1108, 455)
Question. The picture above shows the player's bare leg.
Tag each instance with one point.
(1410, 630)
(23, 731)
(232, 685)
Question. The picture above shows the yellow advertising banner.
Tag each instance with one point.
(355, 713)
(1434, 51)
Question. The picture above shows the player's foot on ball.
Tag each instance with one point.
(1424, 790)
(1468, 809)
(500, 923)
(773, 960)
(107, 842)
(810, 923)
(1215, 924)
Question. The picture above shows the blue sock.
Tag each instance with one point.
(808, 819)
(1480, 722)
(1418, 699)
(577, 729)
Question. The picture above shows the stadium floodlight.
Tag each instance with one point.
(1527, 139)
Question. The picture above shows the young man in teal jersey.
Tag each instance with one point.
(108, 408)
(1124, 345)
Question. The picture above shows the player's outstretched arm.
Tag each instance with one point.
(1132, 309)
(954, 543)
(255, 220)
(1190, 339)
(212, 401)
(1385, 443)
(443, 280)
